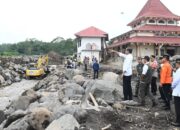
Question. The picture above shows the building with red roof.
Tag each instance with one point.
(90, 43)
(155, 31)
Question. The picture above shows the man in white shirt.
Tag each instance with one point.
(127, 73)
(176, 93)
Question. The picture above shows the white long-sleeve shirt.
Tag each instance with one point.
(127, 65)
(176, 83)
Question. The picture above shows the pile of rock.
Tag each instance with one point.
(62, 99)
(67, 100)
(10, 73)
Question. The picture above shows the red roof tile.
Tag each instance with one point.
(156, 9)
(159, 28)
(91, 32)
(146, 39)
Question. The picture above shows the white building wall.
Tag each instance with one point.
(146, 50)
(82, 50)
(90, 54)
(85, 41)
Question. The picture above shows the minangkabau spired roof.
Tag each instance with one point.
(91, 32)
(155, 9)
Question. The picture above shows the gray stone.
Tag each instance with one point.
(81, 115)
(66, 122)
(70, 73)
(39, 118)
(110, 76)
(72, 90)
(107, 90)
(2, 116)
(15, 116)
(2, 79)
(17, 79)
(22, 103)
(79, 79)
(20, 124)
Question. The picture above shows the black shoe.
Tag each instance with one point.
(166, 108)
(161, 101)
(154, 104)
(135, 96)
(159, 98)
(175, 124)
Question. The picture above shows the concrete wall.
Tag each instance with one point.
(144, 50)
(90, 54)
(85, 41)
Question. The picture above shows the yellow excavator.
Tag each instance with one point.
(39, 69)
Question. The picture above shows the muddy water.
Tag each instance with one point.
(13, 91)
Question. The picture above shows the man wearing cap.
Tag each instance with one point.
(127, 73)
(139, 68)
(166, 80)
(145, 81)
(176, 93)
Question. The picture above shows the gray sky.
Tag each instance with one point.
(47, 19)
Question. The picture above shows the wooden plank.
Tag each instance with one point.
(93, 100)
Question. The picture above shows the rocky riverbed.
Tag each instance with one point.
(68, 100)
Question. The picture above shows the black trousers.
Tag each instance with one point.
(161, 93)
(153, 85)
(127, 89)
(85, 67)
(96, 74)
(177, 108)
(167, 91)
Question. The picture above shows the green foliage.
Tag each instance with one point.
(36, 47)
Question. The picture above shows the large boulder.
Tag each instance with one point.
(70, 73)
(66, 122)
(23, 101)
(2, 116)
(39, 118)
(110, 76)
(73, 91)
(20, 124)
(15, 116)
(109, 91)
(2, 80)
(79, 79)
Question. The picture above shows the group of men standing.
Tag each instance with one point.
(147, 74)
(95, 65)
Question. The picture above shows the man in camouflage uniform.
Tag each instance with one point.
(144, 89)
(139, 68)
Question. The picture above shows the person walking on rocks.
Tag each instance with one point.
(96, 69)
(127, 73)
(139, 68)
(166, 80)
(145, 81)
(154, 66)
(86, 62)
(176, 93)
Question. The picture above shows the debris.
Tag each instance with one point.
(107, 127)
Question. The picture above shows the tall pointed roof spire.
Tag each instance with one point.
(155, 9)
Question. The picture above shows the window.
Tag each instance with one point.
(79, 42)
(152, 21)
(161, 22)
(171, 22)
